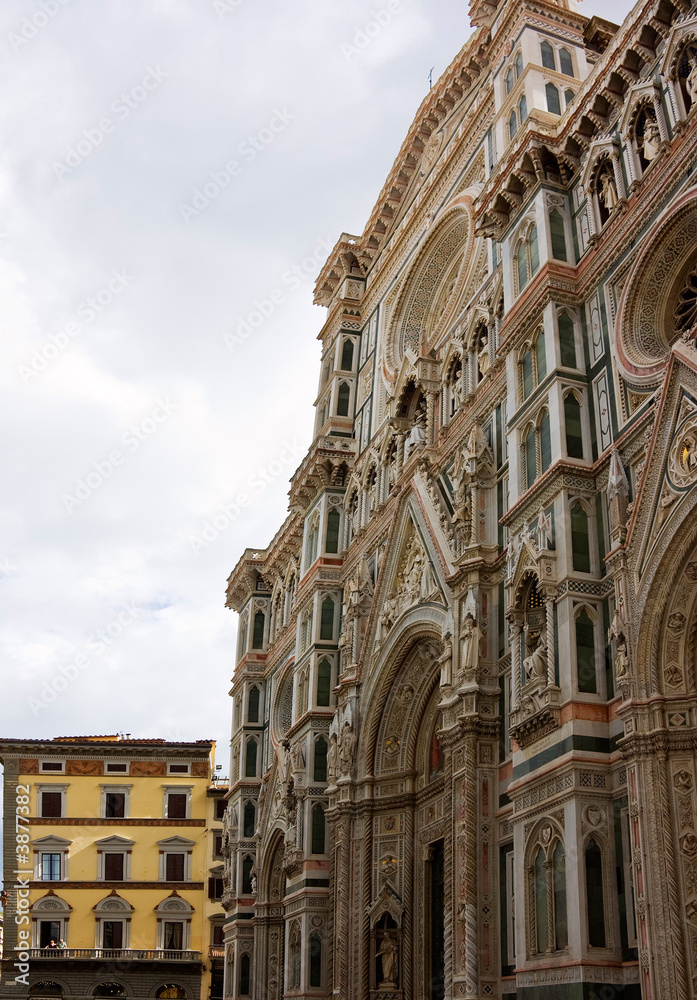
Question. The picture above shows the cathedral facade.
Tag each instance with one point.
(464, 736)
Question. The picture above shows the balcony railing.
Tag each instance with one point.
(216, 951)
(117, 954)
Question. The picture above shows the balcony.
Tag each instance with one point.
(216, 951)
(111, 954)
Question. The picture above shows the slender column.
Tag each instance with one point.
(551, 671)
(515, 630)
(430, 416)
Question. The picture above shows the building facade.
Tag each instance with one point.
(112, 868)
(465, 700)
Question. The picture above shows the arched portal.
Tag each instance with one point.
(269, 945)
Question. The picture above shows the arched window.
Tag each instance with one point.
(247, 865)
(540, 357)
(512, 124)
(572, 419)
(553, 102)
(556, 229)
(326, 628)
(250, 759)
(245, 975)
(324, 684)
(318, 829)
(561, 931)
(549, 888)
(243, 635)
(527, 372)
(585, 654)
(258, 634)
(171, 991)
(518, 64)
(45, 988)
(545, 442)
(541, 923)
(320, 766)
(347, 356)
(312, 539)
(250, 819)
(580, 544)
(333, 524)
(343, 398)
(530, 458)
(565, 64)
(302, 694)
(315, 961)
(527, 258)
(547, 53)
(294, 957)
(253, 704)
(510, 80)
(109, 990)
(594, 895)
(567, 340)
(568, 97)
(523, 109)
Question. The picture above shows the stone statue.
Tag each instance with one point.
(608, 191)
(389, 953)
(535, 665)
(417, 435)
(297, 757)
(333, 759)
(286, 761)
(691, 82)
(347, 748)
(622, 660)
(652, 139)
(446, 662)
(469, 660)
(483, 356)
(428, 581)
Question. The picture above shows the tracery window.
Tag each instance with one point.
(249, 819)
(566, 66)
(324, 683)
(347, 356)
(326, 628)
(567, 340)
(318, 830)
(537, 449)
(580, 543)
(556, 229)
(586, 670)
(319, 770)
(333, 526)
(253, 704)
(547, 881)
(553, 102)
(522, 109)
(547, 54)
(532, 367)
(250, 759)
(343, 399)
(595, 902)
(258, 634)
(527, 258)
(512, 124)
(572, 420)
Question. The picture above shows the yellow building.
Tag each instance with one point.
(110, 868)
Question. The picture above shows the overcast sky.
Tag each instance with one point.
(169, 169)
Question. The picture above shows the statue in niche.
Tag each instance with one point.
(297, 757)
(417, 435)
(652, 139)
(621, 660)
(608, 190)
(483, 356)
(347, 748)
(289, 805)
(389, 953)
(691, 81)
(535, 665)
(333, 759)
(446, 662)
(469, 660)
(286, 762)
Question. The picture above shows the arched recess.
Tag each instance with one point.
(436, 281)
(269, 943)
(646, 325)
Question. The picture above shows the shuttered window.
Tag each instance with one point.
(174, 867)
(114, 867)
(51, 804)
(176, 805)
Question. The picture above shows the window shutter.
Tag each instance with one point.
(174, 868)
(51, 803)
(176, 805)
(113, 867)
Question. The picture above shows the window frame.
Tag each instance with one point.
(168, 790)
(114, 789)
(41, 789)
(52, 770)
